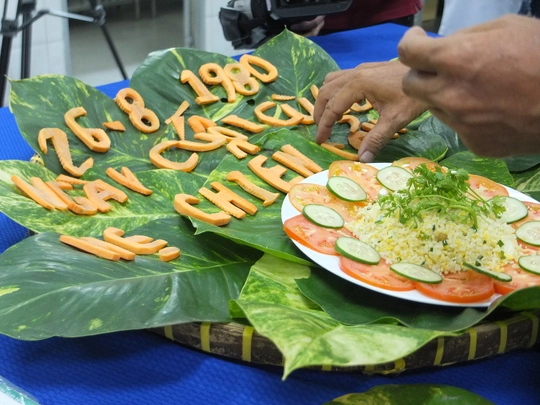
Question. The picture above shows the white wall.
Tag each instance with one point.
(206, 30)
(50, 42)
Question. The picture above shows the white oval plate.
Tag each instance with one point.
(331, 263)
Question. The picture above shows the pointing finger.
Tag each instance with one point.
(376, 139)
(328, 91)
(334, 109)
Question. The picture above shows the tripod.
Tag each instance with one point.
(25, 10)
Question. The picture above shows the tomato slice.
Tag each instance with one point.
(313, 236)
(363, 174)
(410, 163)
(463, 287)
(485, 187)
(378, 275)
(303, 194)
(520, 279)
(529, 249)
(534, 214)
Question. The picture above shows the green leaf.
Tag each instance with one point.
(354, 305)
(300, 64)
(42, 101)
(299, 61)
(494, 169)
(434, 126)
(158, 82)
(521, 300)
(413, 143)
(51, 289)
(415, 124)
(307, 336)
(137, 211)
(412, 394)
(521, 163)
(273, 280)
(528, 182)
(310, 338)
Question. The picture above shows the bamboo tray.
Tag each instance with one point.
(240, 342)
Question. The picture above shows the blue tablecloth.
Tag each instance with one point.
(139, 367)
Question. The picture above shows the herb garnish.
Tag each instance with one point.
(445, 193)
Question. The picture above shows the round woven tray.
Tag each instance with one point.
(241, 342)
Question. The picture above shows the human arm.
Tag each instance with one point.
(378, 82)
(484, 82)
(309, 28)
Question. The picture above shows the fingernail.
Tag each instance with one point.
(367, 157)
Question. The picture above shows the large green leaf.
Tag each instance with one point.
(273, 280)
(309, 338)
(276, 307)
(494, 169)
(354, 305)
(528, 182)
(521, 163)
(63, 292)
(42, 101)
(413, 143)
(414, 394)
(158, 81)
(300, 64)
(433, 126)
(137, 211)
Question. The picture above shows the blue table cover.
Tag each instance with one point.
(139, 367)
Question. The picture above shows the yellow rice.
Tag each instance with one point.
(437, 243)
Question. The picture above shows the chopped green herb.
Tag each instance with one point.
(500, 243)
(447, 193)
(424, 236)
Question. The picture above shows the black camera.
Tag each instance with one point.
(249, 23)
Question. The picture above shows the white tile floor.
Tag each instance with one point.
(91, 59)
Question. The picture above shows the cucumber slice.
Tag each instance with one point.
(530, 263)
(393, 177)
(515, 209)
(323, 216)
(529, 233)
(493, 274)
(346, 189)
(415, 272)
(357, 250)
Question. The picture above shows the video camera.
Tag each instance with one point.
(249, 23)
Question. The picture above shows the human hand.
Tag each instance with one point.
(484, 82)
(309, 28)
(380, 83)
